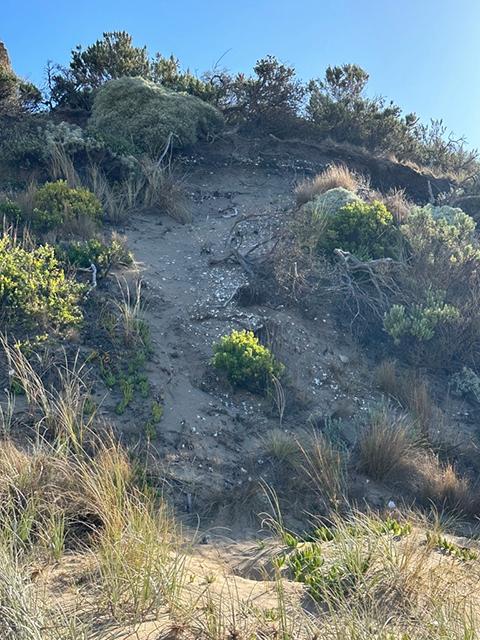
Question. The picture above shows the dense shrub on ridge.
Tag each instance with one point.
(133, 115)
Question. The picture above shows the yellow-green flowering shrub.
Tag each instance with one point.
(366, 230)
(245, 361)
(34, 289)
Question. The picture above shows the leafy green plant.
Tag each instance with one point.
(421, 320)
(34, 288)
(308, 565)
(245, 361)
(366, 230)
(104, 256)
(157, 411)
(155, 417)
(10, 211)
(447, 547)
(466, 383)
(396, 528)
(128, 389)
(57, 204)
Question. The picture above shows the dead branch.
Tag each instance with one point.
(367, 284)
(237, 257)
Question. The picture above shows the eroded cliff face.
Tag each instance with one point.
(4, 57)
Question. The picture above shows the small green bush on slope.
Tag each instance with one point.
(104, 255)
(338, 219)
(366, 230)
(56, 204)
(436, 315)
(135, 115)
(34, 288)
(245, 361)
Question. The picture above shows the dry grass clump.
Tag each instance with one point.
(282, 447)
(60, 411)
(396, 202)
(162, 190)
(410, 391)
(442, 485)
(386, 444)
(324, 468)
(306, 467)
(151, 185)
(52, 498)
(335, 175)
(79, 489)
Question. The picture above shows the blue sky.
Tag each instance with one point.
(424, 54)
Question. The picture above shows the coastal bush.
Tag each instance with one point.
(338, 219)
(366, 230)
(104, 255)
(133, 115)
(56, 204)
(420, 321)
(434, 315)
(271, 98)
(10, 211)
(34, 289)
(245, 361)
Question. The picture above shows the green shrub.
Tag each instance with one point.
(366, 230)
(245, 361)
(56, 204)
(10, 211)
(466, 383)
(437, 291)
(420, 321)
(447, 547)
(22, 146)
(313, 217)
(133, 115)
(81, 254)
(438, 231)
(271, 99)
(34, 289)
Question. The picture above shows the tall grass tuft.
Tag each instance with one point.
(335, 175)
(386, 444)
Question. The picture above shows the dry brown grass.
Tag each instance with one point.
(410, 391)
(396, 202)
(335, 175)
(386, 444)
(26, 198)
(324, 468)
(152, 186)
(443, 486)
